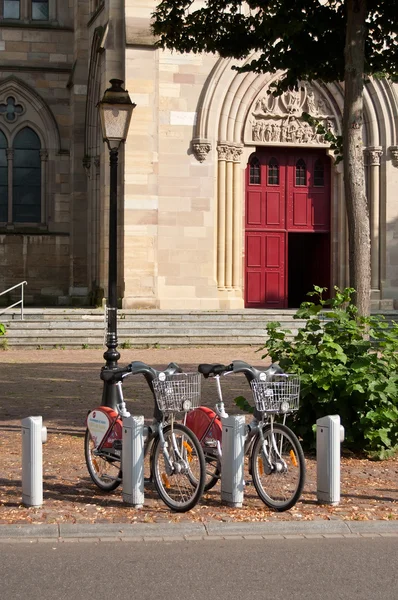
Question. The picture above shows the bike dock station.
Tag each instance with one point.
(34, 435)
(232, 460)
(329, 436)
(133, 461)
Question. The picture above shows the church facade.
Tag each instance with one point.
(227, 198)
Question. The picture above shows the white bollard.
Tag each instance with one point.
(329, 435)
(232, 460)
(33, 437)
(133, 461)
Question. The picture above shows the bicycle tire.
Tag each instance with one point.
(213, 471)
(286, 476)
(96, 467)
(179, 491)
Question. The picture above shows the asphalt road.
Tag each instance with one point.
(362, 568)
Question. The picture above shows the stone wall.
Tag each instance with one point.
(42, 261)
(45, 65)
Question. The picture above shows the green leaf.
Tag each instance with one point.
(243, 404)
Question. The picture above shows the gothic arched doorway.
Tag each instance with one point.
(287, 226)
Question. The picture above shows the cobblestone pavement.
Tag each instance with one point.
(62, 385)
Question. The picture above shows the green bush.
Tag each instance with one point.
(2, 329)
(348, 366)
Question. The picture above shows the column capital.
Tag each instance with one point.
(223, 150)
(237, 153)
(229, 152)
(374, 154)
(394, 155)
(201, 148)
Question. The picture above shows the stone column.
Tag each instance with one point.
(374, 154)
(222, 150)
(237, 220)
(229, 215)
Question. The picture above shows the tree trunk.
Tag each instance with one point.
(354, 175)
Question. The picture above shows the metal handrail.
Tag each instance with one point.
(15, 303)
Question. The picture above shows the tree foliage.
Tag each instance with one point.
(348, 365)
(304, 38)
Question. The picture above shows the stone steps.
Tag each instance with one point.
(86, 328)
(144, 328)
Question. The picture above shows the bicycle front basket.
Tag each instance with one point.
(178, 393)
(280, 394)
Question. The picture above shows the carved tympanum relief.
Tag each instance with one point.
(278, 119)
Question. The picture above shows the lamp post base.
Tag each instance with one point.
(110, 394)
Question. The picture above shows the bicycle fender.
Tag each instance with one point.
(99, 423)
(199, 420)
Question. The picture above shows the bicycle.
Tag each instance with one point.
(276, 459)
(177, 463)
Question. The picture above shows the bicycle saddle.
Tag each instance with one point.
(213, 369)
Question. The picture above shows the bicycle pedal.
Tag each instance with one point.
(210, 443)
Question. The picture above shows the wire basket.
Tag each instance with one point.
(178, 393)
(280, 394)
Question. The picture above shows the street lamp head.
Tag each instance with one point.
(115, 110)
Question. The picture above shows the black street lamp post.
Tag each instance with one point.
(115, 110)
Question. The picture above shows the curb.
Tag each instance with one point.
(196, 531)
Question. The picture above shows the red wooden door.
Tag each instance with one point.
(265, 271)
(285, 191)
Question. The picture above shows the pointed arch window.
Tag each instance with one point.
(319, 173)
(26, 177)
(22, 170)
(273, 172)
(3, 179)
(301, 172)
(255, 171)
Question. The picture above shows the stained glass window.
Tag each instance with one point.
(255, 171)
(319, 173)
(26, 190)
(273, 172)
(40, 10)
(3, 179)
(301, 172)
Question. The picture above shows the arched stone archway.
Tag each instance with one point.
(236, 115)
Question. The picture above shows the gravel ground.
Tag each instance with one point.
(62, 385)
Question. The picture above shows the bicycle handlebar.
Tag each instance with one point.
(237, 366)
(136, 368)
(251, 373)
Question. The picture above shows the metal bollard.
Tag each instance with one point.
(133, 461)
(232, 460)
(329, 435)
(33, 437)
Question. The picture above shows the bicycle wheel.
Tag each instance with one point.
(103, 470)
(213, 471)
(278, 467)
(180, 480)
